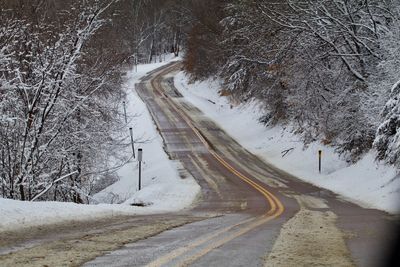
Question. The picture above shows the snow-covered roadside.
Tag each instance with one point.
(368, 183)
(162, 188)
(16, 214)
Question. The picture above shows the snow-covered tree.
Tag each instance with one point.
(60, 113)
(387, 140)
(320, 66)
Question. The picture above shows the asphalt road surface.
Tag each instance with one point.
(249, 213)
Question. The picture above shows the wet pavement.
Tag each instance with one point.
(213, 158)
(248, 210)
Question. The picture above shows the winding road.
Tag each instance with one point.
(249, 212)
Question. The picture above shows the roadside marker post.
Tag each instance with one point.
(126, 120)
(140, 157)
(319, 160)
(132, 143)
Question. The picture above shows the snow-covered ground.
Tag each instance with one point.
(162, 188)
(368, 183)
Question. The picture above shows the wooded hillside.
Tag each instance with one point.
(327, 69)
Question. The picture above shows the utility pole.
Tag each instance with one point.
(140, 156)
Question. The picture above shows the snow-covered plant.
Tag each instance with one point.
(387, 140)
(60, 114)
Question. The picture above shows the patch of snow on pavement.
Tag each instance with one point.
(163, 190)
(368, 183)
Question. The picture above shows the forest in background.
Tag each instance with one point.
(329, 70)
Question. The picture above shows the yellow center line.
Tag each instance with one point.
(275, 210)
(178, 252)
(223, 241)
(274, 201)
(269, 196)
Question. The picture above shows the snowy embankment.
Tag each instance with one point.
(162, 188)
(367, 183)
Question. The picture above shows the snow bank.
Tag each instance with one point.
(163, 190)
(17, 214)
(162, 187)
(368, 183)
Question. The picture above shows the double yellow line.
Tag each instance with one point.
(277, 207)
(275, 210)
